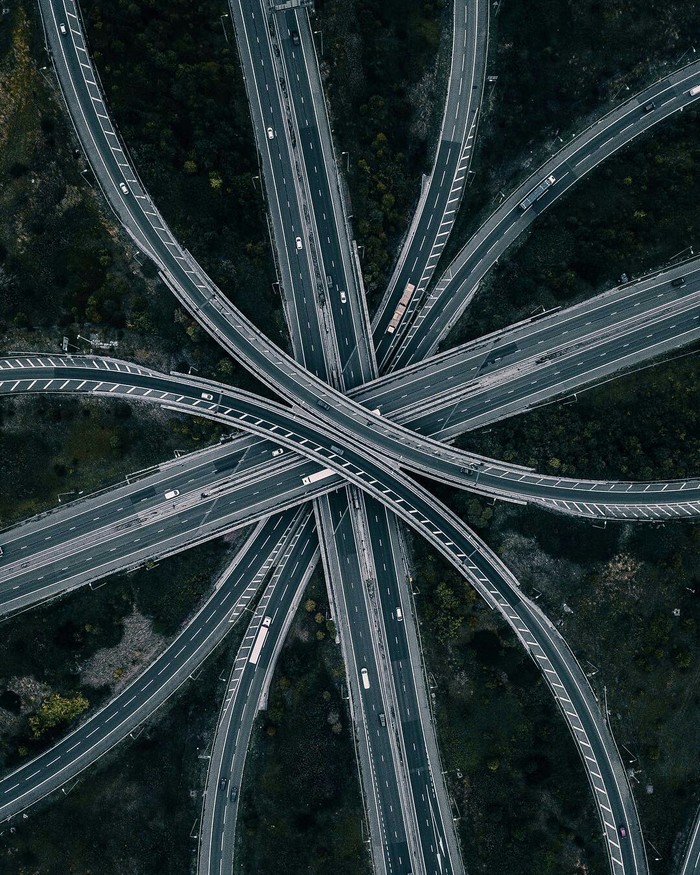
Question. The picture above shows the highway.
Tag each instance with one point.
(295, 430)
(417, 508)
(246, 694)
(229, 599)
(270, 364)
(442, 193)
(433, 385)
(350, 360)
(445, 303)
(373, 451)
(280, 72)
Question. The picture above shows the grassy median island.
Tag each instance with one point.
(301, 809)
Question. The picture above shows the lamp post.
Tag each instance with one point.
(223, 26)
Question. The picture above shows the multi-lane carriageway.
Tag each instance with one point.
(161, 233)
(428, 321)
(444, 531)
(61, 374)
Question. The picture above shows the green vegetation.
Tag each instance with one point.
(513, 769)
(636, 212)
(559, 66)
(301, 808)
(641, 426)
(627, 599)
(175, 87)
(386, 102)
(58, 659)
(65, 268)
(558, 62)
(137, 811)
(55, 711)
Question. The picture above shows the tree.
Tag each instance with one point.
(55, 710)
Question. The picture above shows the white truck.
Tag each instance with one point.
(323, 474)
(540, 189)
(260, 640)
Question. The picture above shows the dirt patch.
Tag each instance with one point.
(115, 666)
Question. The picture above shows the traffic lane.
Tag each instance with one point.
(461, 364)
(69, 54)
(126, 502)
(266, 103)
(557, 377)
(132, 544)
(390, 577)
(355, 359)
(363, 648)
(418, 261)
(670, 322)
(111, 724)
(241, 708)
(483, 249)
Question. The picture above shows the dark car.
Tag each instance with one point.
(222, 783)
(648, 107)
(233, 794)
(322, 403)
(295, 37)
(678, 282)
(622, 829)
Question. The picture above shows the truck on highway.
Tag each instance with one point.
(260, 640)
(323, 474)
(401, 308)
(537, 192)
(365, 678)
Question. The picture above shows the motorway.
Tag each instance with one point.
(280, 71)
(295, 430)
(372, 449)
(231, 596)
(424, 395)
(246, 692)
(442, 193)
(445, 303)
(257, 353)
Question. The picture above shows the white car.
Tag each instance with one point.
(62, 28)
(299, 243)
(270, 134)
(124, 187)
(278, 451)
(343, 297)
(173, 493)
(207, 396)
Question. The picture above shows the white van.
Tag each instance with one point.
(365, 678)
(399, 614)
